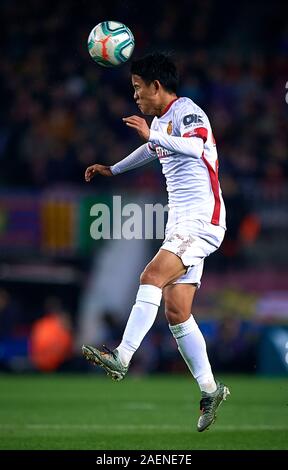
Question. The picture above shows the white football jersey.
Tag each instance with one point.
(183, 141)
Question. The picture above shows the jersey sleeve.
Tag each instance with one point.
(192, 122)
(139, 157)
(191, 132)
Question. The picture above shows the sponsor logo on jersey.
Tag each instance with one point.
(161, 152)
(169, 128)
(192, 119)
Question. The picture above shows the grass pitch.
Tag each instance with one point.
(158, 412)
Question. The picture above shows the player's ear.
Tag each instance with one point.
(157, 85)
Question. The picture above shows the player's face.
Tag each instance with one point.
(146, 96)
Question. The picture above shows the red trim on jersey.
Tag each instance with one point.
(151, 148)
(215, 188)
(198, 132)
(168, 107)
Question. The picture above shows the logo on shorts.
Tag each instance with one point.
(169, 128)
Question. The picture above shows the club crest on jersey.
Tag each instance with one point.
(169, 128)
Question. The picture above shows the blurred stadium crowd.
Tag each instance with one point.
(60, 112)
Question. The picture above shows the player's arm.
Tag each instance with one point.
(192, 130)
(191, 144)
(192, 135)
(139, 157)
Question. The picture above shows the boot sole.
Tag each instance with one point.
(91, 357)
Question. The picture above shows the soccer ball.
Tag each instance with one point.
(110, 43)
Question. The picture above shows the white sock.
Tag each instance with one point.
(192, 347)
(141, 318)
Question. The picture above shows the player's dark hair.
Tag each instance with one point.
(157, 66)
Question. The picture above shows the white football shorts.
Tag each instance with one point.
(191, 240)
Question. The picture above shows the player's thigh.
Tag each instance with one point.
(164, 268)
(178, 300)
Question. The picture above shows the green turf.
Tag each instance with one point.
(92, 412)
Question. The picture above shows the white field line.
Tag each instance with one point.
(139, 406)
(114, 428)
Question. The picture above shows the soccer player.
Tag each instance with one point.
(181, 138)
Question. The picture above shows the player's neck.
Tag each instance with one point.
(166, 103)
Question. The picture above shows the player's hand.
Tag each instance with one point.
(139, 124)
(96, 169)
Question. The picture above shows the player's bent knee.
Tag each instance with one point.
(175, 317)
(152, 278)
(172, 317)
